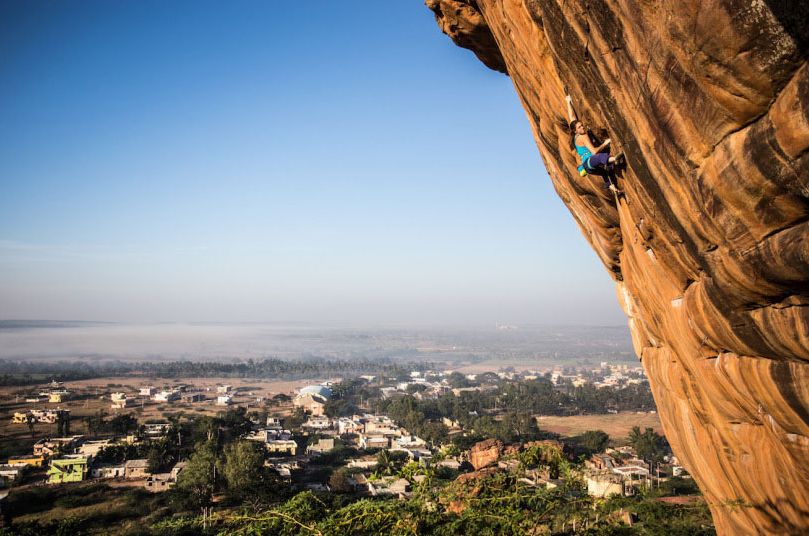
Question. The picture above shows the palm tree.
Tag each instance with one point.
(635, 436)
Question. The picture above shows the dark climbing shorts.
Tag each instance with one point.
(599, 165)
(598, 160)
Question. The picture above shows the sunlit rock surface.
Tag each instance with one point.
(485, 453)
(709, 100)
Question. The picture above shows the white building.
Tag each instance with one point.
(119, 400)
(167, 396)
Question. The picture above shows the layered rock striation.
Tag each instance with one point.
(709, 100)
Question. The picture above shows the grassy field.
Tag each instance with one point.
(616, 425)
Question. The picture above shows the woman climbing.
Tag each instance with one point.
(593, 160)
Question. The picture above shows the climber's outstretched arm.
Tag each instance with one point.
(571, 113)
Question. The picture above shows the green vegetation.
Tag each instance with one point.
(497, 504)
(649, 445)
(31, 373)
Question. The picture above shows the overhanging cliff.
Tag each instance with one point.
(709, 100)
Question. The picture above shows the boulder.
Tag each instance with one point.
(709, 246)
(485, 453)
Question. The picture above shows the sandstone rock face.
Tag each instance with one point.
(485, 453)
(709, 100)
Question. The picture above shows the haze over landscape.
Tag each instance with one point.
(544, 346)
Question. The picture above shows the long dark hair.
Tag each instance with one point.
(573, 125)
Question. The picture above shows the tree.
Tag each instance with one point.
(62, 423)
(198, 479)
(280, 398)
(593, 441)
(649, 445)
(96, 422)
(159, 457)
(456, 379)
(295, 420)
(521, 426)
(390, 463)
(414, 388)
(121, 424)
(243, 466)
(30, 420)
(235, 423)
(340, 481)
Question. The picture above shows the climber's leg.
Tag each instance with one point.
(599, 161)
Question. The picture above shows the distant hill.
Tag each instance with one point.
(29, 324)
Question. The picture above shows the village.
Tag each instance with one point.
(296, 430)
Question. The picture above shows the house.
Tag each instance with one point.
(311, 403)
(450, 423)
(274, 423)
(191, 398)
(366, 462)
(10, 474)
(92, 448)
(147, 391)
(136, 469)
(374, 442)
(381, 424)
(618, 480)
(46, 416)
(312, 399)
(288, 446)
(158, 482)
(360, 483)
(119, 400)
(224, 389)
(33, 461)
(53, 446)
(604, 485)
(157, 429)
(57, 397)
(347, 425)
(410, 442)
(167, 396)
(224, 400)
(20, 417)
(319, 422)
(390, 485)
(323, 445)
(108, 471)
(71, 468)
(50, 416)
(634, 471)
(600, 462)
(177, 469)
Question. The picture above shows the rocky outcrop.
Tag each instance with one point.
(709, 248)
(485, 453)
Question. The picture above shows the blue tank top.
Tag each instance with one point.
(584, 153)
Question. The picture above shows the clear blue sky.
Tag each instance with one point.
(272, 161)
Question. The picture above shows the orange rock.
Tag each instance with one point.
(485, 453)
(709, 101)
(476, 475)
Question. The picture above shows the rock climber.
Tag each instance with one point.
(594, 160)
